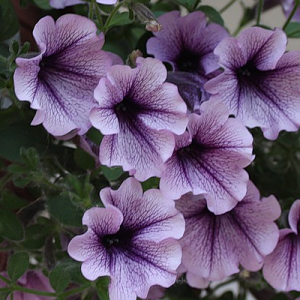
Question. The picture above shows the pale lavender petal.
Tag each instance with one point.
(288, 6)
(196, 282)
(156, 292)
(294, 216)
(59, 4)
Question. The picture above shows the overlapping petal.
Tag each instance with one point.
(214, 245)
(282, 266)
(59, 82)
(209, 159)
(259, 84)
(138, 112)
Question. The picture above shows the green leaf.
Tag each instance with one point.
(14, 47)
(83, 159)
(43, 4)
(11, 202)
(102, 288)
(35, 236)
(64, 210)
(8, 20)
(212, 14)
(59, 278)
(10, 226)
(112, 173)
(188, 4)
(17, 265)
(120, 20)
(280, 296)
(30, 157)
(151, 183)
(293, 30)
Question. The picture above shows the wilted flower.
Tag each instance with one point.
(35, 280)
(282, 267)
(260, 84)
(187, 43)
(60, 81)
(58, 4)
(209, 158)
(213, 246)
(132, 240)
(137, 113)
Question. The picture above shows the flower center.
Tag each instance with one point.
(121, 239)
(188, 61)
(247, 70)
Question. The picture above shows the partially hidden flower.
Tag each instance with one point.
(132, 240)
(209, 159)
(288, 6)
(138, 114)
(34, 280)
(187, 43)
(59, 4)
(282, 266)
(60, 81)
(260, 83)
(213, 246)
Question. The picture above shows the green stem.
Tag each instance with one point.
(297, 3)
(35, 292)
(227, 6)
(98, 15)
(74, 291)
(259, 11)
(112, 14)
(91, 11)
(4, 279)
(5, 289)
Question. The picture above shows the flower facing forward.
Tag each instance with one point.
(132, 240)
(214, 245)
(260, 83)
(282, 267)
(209, 158)
(60, 81)
(138, 113)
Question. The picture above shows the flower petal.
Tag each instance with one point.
(294, 216)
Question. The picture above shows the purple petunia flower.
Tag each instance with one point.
(213, 246)
(282, 267)
(132, 240)
(187, 43)
(138, 112)
(288, 6)
(59, 4)
(35, 280)
(60, 81)
(209, 158)
(260, 84)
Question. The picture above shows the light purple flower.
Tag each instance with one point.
(288, 6)
(59, 4)
(209, 158)
(138, 112)
(187, 43)
(213, 246)
(282, 267)
(132, 240)
(35, 280)
(60, 81)
(260, 84)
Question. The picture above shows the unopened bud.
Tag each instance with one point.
(153, 26)
(132, 57)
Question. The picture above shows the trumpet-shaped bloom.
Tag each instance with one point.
(137, 113)
(282, 267)
(213, 246)
(60, 81)
(187, 43)
(209, 158)
(35, 280)
(132, 240)
(260, 83)
(59, 4)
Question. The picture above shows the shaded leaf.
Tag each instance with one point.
(293, 30)
(17, 265)
(112, 173)
(10, 226)
(8, 20)
(59, 278)
(212, 14)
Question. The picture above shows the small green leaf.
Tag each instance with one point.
(14, 47)
(293, 30)
(120, 20)
(30, 157)
(212, 14)
(21, 182)
(188, 4)
(59, 278)
(43, 4)
(16, 169)
(83, 159)
(151, 183)
(11, 202)
(112, 173)
(102, 288)
(17, 265)
(64, 210)
(8, 20)
(10, 226)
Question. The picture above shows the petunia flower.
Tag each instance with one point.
(213, 246)
(282, 267)
(59, 4)
(60, 81)
(132, 240)
(35, 280)
(187, 43)
(260, 83)
(288, 6)
(138, 114)
(209, 158)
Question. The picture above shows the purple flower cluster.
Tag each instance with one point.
(193, 137)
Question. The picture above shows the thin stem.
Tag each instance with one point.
(30, 291)
(112, 14)
(259, 11)
(4, 279)
(6, 289)
(74, 291)
(91, 11)
(224, 8)
(98, 15)
(297, 3)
